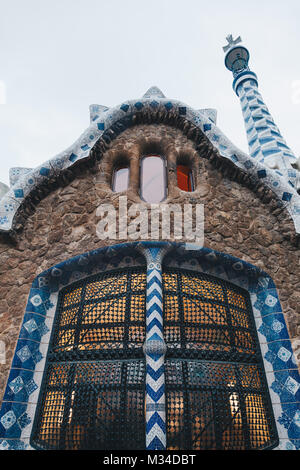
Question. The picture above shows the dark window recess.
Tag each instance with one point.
(120, 179)
(93, 390)
(216, 391)
(185, 178)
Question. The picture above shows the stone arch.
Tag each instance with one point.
(209, 142)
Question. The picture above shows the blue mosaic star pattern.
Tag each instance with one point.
(21, 394)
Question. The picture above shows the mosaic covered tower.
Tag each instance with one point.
(117, 330)
(265, 141)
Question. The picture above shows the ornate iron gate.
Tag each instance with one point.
(93, 391)
(216, 390)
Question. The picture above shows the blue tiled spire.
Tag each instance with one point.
(265, 141)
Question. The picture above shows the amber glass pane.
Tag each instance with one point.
(170, 281)
(205, 313)
(138, 281)
(257, 420)
(236, 299)
(72, 297)
(172, 310)
(106, 286)
(100, 406)
(215, 399)
(137, 308)
(203, 287)
(69, 318)
(101, 334)
(99, 314)
(52, 417)
(66, 339)
(213, 406)
(93, 394)
(112, 310)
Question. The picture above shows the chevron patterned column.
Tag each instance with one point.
(155, 349)
(265, 141)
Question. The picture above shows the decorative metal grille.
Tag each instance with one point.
(93, 391)
(102, 317)
(216, 391)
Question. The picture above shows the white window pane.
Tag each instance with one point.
(120, 179)
(153, 185)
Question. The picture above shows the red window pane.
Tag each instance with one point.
(184, 178)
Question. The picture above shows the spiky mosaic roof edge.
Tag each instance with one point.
(103, 118)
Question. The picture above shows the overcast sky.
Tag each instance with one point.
(58, 57)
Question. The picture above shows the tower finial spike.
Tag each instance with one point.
(231, 42)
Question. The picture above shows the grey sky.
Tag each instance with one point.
(58, 57)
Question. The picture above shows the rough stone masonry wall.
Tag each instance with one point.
(63, 225)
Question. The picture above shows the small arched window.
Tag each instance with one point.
(153, 178)
(185, 178)
(120, 178)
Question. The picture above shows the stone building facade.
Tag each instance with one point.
(50, 249)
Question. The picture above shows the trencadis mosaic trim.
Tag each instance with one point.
(21, 395)
(102, 119)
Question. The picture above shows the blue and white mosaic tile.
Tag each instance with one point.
(155, 349)
(17, 412)
(265, 142)
(13, 444)
(102, 118)
(288, 420)
(286, 444)
(35, 327)
(273, 327)
(13, 419)
(28, 355)
(286, 385)
(268, 302)
(279, 356)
